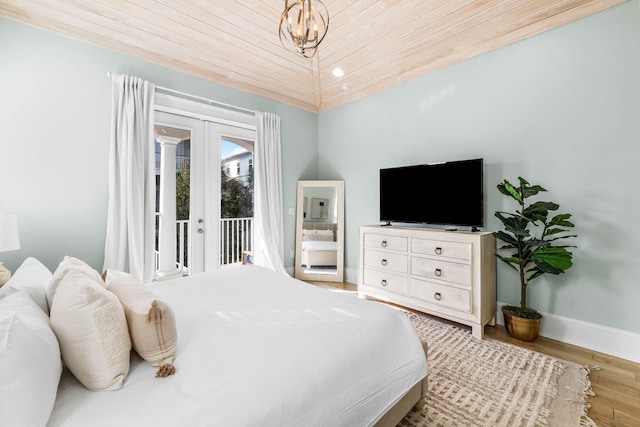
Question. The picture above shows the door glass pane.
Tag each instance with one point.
(183, 206)
(236, 199)
(172, 250)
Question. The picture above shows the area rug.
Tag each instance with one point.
(489, 383)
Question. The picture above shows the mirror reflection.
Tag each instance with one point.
(319, 231)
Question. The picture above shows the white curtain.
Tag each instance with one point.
(268, 247)
(129, 243)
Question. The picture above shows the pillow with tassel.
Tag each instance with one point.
(151, 321)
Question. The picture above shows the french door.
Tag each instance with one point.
(201, 128)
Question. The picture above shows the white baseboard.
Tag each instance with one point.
(604, 339)
(615, 342)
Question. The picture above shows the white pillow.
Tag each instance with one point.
(30, 364)
(33, 277)
(92, 330)
(70, 263)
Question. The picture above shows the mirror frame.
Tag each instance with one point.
(299, 273)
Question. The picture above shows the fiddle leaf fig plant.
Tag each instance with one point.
(531, 238)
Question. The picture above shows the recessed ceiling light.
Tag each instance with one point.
(346, 87)
(338, 72)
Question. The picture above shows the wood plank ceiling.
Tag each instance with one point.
(378, 43)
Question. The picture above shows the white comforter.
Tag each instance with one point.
(258, 348)
(319, 245)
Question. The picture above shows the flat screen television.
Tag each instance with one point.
(446, 193)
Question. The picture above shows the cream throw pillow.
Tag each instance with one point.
(152, 325)
(317, 235)
(70, 263)
(92, 330)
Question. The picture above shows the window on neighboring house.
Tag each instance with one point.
(238, 173)
(250, 165)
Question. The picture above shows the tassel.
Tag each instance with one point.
(166, 370)
(155, 314)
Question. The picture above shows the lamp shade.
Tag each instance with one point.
(9, 240)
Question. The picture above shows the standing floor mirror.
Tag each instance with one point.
(320, 231)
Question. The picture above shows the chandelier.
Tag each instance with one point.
(304, 25)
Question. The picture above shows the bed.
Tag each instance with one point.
(254, 348)
(319, 248)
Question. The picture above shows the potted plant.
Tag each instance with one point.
(530, 247)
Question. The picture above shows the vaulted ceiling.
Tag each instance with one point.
(378, 43)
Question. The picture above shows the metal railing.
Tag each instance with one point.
(182, 230)
(181, 162)
(236, 236)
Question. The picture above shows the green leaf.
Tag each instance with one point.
(540, 208)
(507, 189)
(507, 238)
(506, 261)
(561, 220)
(552, 260)
(552, 231)
(512, 259)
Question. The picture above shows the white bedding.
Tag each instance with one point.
(318, 252)
(258, 348)
(319, 245)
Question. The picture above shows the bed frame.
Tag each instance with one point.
(321, 258)
(413, 399)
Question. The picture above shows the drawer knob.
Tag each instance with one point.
(383, 262)
(437, 296)
(383, 243)
(438, 251)
(383, 282)
(438, 272)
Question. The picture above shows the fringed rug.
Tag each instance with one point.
(489, 383)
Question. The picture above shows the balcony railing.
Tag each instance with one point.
(181, 162)
(236, 236)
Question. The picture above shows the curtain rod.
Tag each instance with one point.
(188, 95)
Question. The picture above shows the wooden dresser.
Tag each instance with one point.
(450, 274)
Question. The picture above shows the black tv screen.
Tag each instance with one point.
(447, 193)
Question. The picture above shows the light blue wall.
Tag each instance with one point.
(55, 106)
(562, 109)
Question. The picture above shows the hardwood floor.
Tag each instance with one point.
(616, 384)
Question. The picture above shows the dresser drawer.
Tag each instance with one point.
(457, 250)
(387, 281)
(448, 271)
(386, 260)
(380, 241)
(443, 295)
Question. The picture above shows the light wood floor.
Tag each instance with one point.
(616, 385)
